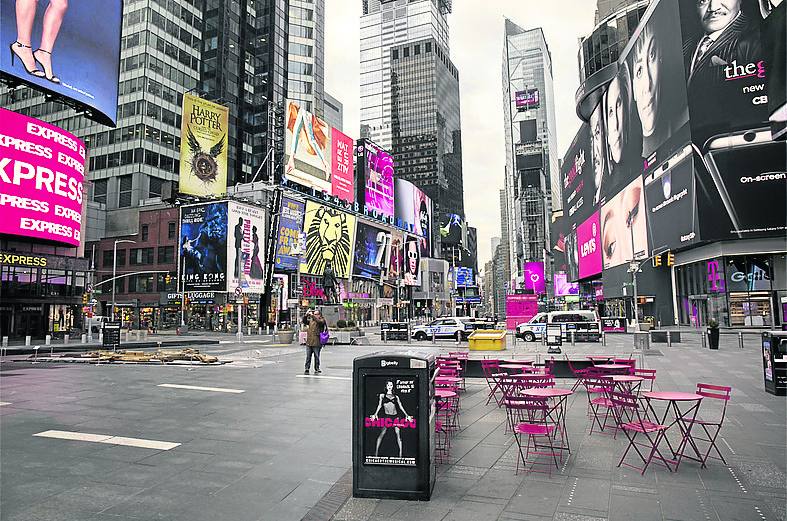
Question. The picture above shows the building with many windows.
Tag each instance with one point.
(426, 137)
(334, 112)
(532, 176)
(384, 24)
(306, 55)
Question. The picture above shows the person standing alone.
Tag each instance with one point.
(313, 342)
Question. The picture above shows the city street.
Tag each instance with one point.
(258, 440)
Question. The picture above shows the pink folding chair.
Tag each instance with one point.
(529, 416)
(579, 374)
(626, 405)
(712, 427)
(649, 375)
(598, 390)
(490, 368)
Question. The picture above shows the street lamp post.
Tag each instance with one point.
(114, 272)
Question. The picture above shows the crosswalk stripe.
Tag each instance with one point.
(107, 439)
(199, 388)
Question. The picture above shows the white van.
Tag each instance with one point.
(583, 323)
(95, 323)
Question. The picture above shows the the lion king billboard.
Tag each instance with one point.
(330, 235)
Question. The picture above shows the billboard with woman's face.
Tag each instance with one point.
(69, 49)
(413, 213)
(624, 234)
(412, 261)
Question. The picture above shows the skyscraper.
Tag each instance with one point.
(386, 23)
(306, 54)
(425, 123)
(532, 176)
(334, 112)
(244, 66)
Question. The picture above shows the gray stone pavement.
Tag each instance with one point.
(281, 449)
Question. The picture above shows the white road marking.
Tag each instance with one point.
(4, 403)
(198, 388)
(108, 439)
(323, 377)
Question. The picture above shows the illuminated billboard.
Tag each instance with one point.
(372, 251)
(413, 213)
(203, 147)
(42, 168)
(563, 287)
(624, 235)
(589, 247)
(316, 155)
(68, 49)
(375, 174)
(534, 277)
(330, 237)
(246, 248)
(527, 99)
(290, 227)
(412, 261)
(203, 246)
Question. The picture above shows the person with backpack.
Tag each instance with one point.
(316, 337)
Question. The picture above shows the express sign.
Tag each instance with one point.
(42, 168)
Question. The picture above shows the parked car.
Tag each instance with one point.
(448, 327)
(583, 323)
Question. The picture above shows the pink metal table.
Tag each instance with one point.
(444, 395)
(683, 418)
(626, 382)
(614, 368)
(558, 410)
(521, 362)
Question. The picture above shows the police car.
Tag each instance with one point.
(582, 323)
(449, 327)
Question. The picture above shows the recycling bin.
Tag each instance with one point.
(393, 425)
(774, 362)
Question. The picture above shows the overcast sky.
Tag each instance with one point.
(476, 39)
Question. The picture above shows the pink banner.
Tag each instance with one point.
(589, 246)
(342, 166)
(42, 168)
(520, 308)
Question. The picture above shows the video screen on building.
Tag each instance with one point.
(451, 230)
(246, 248)
(624, 235)
(534, 277)
(290, 227)
(463, 277)
(78, 61)
(317, 155)
(527, 99)
(577, 177)
(413, 213)
(42, 169)
(589, 247)
(203, 247)
(330, 238)
(375, 168)
(412, 261)
(564, 288)
(372, 251)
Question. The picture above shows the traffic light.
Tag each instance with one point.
(85, 298)
(657, 261)
(168, 278)
(670, 258)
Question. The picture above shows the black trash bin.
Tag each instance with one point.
(774, 362)
(393, 425)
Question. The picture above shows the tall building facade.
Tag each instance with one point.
(426, 138)
(334, 112)
(387, 23)
(244, 66)
(306, 54)
(532, 176)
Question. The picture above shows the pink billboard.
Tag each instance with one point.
(589, 246)
(342, 168)
(519, 309)
(42, 168)
(534, 277)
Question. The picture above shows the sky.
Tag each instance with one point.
(476, 41)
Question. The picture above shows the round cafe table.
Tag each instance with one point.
(520, 362)
(626, 382)
(595, 359)
(614, 368)
(443, 396)
(512, 367)
(684, 408)
(557, 410)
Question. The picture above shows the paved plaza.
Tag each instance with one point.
(256, 440)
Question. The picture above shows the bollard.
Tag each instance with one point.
(83, 339)
(136, 334)
(458, 337)
(259, 330)
(48, 340)
(267, 330)
(573, 338)
(5, 342)
(248, 330)
(35, 354)
(27, 340)
(101, 338)
(604, 338)
(433, 337)
(740, 339)
(669, 339)
(409, 339)
(385, 336)
(66, 338)
(702, 335)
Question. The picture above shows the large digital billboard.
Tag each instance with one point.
(534, 277)
(203, 147)
(413, 213)
(203, 247)
(412, 261)
(290, 227)
(589, 247)
(372, 250)
(70, 49)
(527, 99)
(624, 235)
(463, 277)
(316, 155)
(451, 230)
(330, 236)
(396, 259)
(246, 248)
(563, 287)
(577, 178)
(375, 169)
(42, 168)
